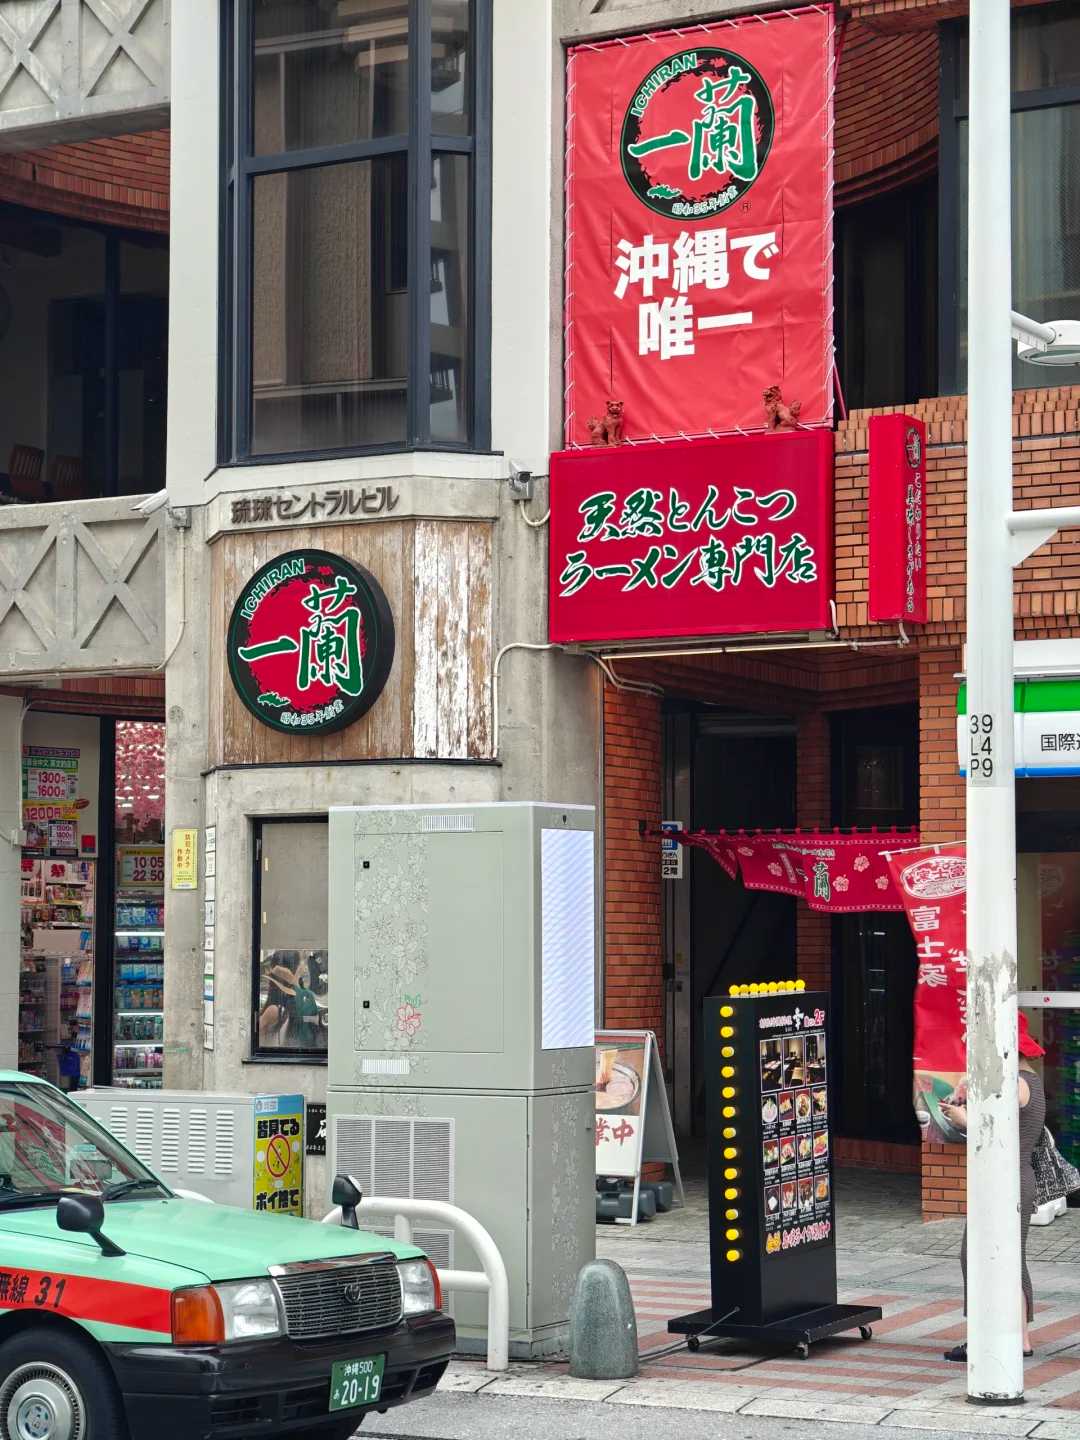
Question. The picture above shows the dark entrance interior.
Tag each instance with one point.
(739, 772)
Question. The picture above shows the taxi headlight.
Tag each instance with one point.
(249, 1309)
(420, 1289)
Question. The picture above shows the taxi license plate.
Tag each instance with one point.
(356, 1382)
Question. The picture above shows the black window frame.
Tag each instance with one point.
(279, 1054)
(239, 168)
(952, 109)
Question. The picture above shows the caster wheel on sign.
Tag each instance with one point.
(693, 1343)
(802, 1350)
(57, 1387)
(866, 1331)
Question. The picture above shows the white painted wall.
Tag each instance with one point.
(193, 255)
(526, 138)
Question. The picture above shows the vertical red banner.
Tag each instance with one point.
(897, 518)
(932, 882)
(699, 228)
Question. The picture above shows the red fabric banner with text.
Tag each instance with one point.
(714, 537)
(837, 874)
(932, 883)
(699, 226)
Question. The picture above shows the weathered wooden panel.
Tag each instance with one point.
(437, 701)
(82, 589)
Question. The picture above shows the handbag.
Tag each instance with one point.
(1055, 1177)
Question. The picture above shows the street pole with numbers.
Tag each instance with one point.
(995, 1359)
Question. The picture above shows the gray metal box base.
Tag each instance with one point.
(521, 1164)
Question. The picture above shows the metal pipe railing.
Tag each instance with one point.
(490, 1280)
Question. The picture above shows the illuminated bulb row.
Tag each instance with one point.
(774, 987)
(729, 1112)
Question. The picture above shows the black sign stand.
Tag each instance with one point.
(772, 1223)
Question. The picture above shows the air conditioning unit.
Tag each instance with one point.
(193, 1140)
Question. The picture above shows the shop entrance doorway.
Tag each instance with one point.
(722, 772)
(1048, 905)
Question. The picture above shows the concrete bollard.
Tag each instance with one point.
(603, 1330)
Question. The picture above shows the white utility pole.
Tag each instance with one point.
(995, 1359)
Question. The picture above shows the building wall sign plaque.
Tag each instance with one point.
(310, 643)
(363, 502)
(710, 537)
(897, 518)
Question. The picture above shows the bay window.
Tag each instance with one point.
(355, 226)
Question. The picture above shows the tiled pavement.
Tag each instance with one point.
(886, 1257)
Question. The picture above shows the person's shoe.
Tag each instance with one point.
(958, 1354)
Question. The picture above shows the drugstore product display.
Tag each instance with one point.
(57, 970)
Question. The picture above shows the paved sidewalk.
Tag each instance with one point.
(887, 1257)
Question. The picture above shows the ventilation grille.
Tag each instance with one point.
(144, 1134)
(435, 824)
(170, 1142)
(437, 1245)
(198, 1127)
(225, 1143)
(385, 1065)
(117, 1123)
(391, 1156)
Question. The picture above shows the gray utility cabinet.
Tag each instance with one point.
(462, 1020)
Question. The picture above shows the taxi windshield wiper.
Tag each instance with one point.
(11, 1199)
(130, 1187)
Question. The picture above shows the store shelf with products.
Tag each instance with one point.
(139, 986)
(56, 970)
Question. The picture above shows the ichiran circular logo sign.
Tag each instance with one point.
(310, 642)
(697, 133)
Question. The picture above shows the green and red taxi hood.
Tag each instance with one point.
(217, 1241)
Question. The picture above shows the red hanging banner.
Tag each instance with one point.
(713, 537)
(699, 228)
(932, 884)
(833, 873)
(897, 519)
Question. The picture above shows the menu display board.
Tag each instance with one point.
(772, 1226)
(796, 1155)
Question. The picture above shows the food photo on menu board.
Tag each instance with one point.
(806, 1149)
(821, 1145)
(770, 1154)
(821, 1103)
(802, 1106)
(787, 1107)
(770, 1112)
(787, 1153)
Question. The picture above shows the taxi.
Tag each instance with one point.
(129, 1311)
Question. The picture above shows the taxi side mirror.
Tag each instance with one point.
(85, 1215)
(347, 1194)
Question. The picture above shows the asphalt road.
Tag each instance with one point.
(476, 1417)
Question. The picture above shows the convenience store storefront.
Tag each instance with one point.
(91, 973)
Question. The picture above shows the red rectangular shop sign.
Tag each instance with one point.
(897, 518)
(699, 227)
(709, 537)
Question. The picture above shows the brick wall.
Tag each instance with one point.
(120, 180)
(633, 939)
(886, 111)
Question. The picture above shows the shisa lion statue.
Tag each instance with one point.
(609, 429)
(779, 416)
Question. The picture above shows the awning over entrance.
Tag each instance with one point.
(1046, 727)
(833, 872)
